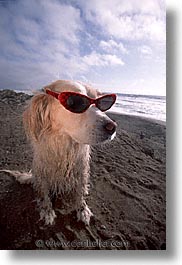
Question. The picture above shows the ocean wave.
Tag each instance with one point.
(141, 105)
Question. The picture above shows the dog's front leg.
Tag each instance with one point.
(45, 207)
(84, 213)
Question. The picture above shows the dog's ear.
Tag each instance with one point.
(37, 117)
(51, 86)
(92, 92)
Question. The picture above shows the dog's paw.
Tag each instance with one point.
(48, 216)
(84, 214)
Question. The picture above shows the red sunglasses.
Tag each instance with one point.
(79, 103)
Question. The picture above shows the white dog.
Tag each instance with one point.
(61, 127)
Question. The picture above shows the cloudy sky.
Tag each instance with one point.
(116, 45)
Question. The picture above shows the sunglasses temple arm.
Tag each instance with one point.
(52, 93)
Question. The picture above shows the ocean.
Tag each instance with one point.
(141, 105)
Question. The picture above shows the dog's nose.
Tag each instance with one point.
(110, 127)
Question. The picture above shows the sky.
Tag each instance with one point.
(114, 45)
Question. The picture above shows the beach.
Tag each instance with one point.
(127, 188)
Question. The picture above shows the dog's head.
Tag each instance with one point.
(49, 116)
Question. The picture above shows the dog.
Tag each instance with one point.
(61, 133)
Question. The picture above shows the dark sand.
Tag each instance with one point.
(127, 193)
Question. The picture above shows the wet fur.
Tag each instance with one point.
(60, 164)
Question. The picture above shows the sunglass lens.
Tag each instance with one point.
(77, 104)
(105, 103)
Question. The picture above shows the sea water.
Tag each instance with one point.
(141, 105)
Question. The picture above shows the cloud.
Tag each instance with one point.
(95, 59)
(113, 46)
(146, 50)
(37, 36)
(128, 20)
(40, 26)
(40, 40)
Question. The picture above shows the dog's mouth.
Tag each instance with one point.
(103, 138)
(113, 136)
(96, 139)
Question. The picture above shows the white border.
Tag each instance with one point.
(174, 174)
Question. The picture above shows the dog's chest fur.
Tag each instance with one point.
(62, 163)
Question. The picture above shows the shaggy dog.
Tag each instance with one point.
(61, 143)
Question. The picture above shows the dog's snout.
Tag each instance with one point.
(110, 127)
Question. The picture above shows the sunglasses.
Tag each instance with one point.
(79, 103)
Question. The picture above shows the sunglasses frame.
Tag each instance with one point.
(63, 96)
